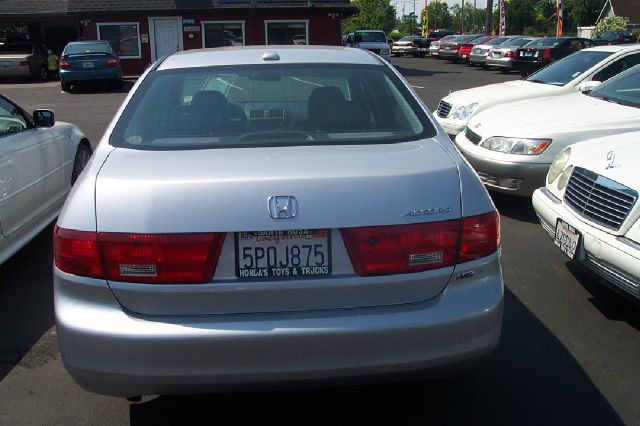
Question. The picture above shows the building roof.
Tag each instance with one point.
(627, 8)
(76, 7)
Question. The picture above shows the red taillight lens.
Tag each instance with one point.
(77, 252)
(547, 55)
(24, 64)
(140, 258)
(480, 236)
(112, 61)
(64, 65)
(620, 38)
(509, 54)
(455, 47)
(400, 249)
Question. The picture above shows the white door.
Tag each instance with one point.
(165, 36)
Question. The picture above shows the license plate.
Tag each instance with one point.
(464, 56)
(290, 254)
(567, 238)
(528, 54)
(447, 48)
(87, 65)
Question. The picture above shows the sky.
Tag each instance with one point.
(408, 4)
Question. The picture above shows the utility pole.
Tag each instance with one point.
(462, 18)
(488, 19)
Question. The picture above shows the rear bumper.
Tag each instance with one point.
(67, 76)
(477, 59)
(15, 71)
(447, 54)
(499, 62)
(614, 259)
(108, 350)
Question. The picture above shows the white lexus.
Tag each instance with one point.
(580, 71)
(589, 208)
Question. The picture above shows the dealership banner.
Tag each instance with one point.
(503, 19)
(559, 18)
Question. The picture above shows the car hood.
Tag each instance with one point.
(547, 117)
(372, 45)
(508, 91)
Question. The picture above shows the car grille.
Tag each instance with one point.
(598, 198)
(616, 276)
(444, 108)
(472, 136)
(376, 51)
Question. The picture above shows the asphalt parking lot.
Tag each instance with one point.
(569, 354)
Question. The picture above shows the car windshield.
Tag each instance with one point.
(563, 71)
(267, 105)
(370, 37)
(481, 40)
(80, 48)
(16, 48)
(462, 38)
(545, 42)
(518, 42)
(408, 38)
(623, 89)
(496, 41)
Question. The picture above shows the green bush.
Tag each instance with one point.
(636, 34)
(612, 23)
(396, 35)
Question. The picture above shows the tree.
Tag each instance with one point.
(520, 14)
(583, 13)
(408, 25)
(374, 15)
(439, 16)
(612, 23)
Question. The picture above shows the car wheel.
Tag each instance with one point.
(504, 70)
(484, 66)
(117, 83)
(82, 158)
(66, 87)
(43, 74)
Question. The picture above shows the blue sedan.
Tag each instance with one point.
(89, 61)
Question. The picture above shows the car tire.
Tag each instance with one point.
(66, 87)
(504, 70)
(117, 83)
(421, 55)
(43, 74)
(83, 153)
(484, 66)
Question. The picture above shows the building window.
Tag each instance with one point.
(124, 38)
(287, 32)
(219, 34)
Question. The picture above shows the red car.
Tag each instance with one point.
(465, 48)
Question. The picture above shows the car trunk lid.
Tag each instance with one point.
(228, 190)
(87, 61)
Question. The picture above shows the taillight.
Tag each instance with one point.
(547, 55)
(400, 249)
(24, 64)
(455, 47)
(620, 38)
(111, 61)
(509, 54)
(64, 65)
(140, 258)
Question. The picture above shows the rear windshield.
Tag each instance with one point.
(545, 42)
(496, 41)
(370, 37)
(563, 71)
(270, 105)
(16, 48)
(80, 48)
(518, 42)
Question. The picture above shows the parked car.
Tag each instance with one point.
(464, 52)
(615, 37)
(421, 45)
(89, 61)
(512, 146)
(404, 46)
(372, 40)
(502, 56)
(24, 58)
(227, 215)
(480, 51)
(541, 53)
(589, 207)
(434, 46)
(580, 71)
(449, 48)
(39, 161)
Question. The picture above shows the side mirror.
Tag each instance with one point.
(43, 118)
(588, 86)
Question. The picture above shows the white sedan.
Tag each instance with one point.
(589, 208)
(39, 161)
(512, 146)
(577, 72)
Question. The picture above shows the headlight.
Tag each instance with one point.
(464, 112)
(519, 146)
(384, 51)
(558, 165)
(564, 178)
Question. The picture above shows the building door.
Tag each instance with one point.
(166, 38)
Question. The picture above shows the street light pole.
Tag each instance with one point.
(462, 18)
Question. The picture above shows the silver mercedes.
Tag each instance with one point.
(267, 216)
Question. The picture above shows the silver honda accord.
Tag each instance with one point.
(268, 216)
